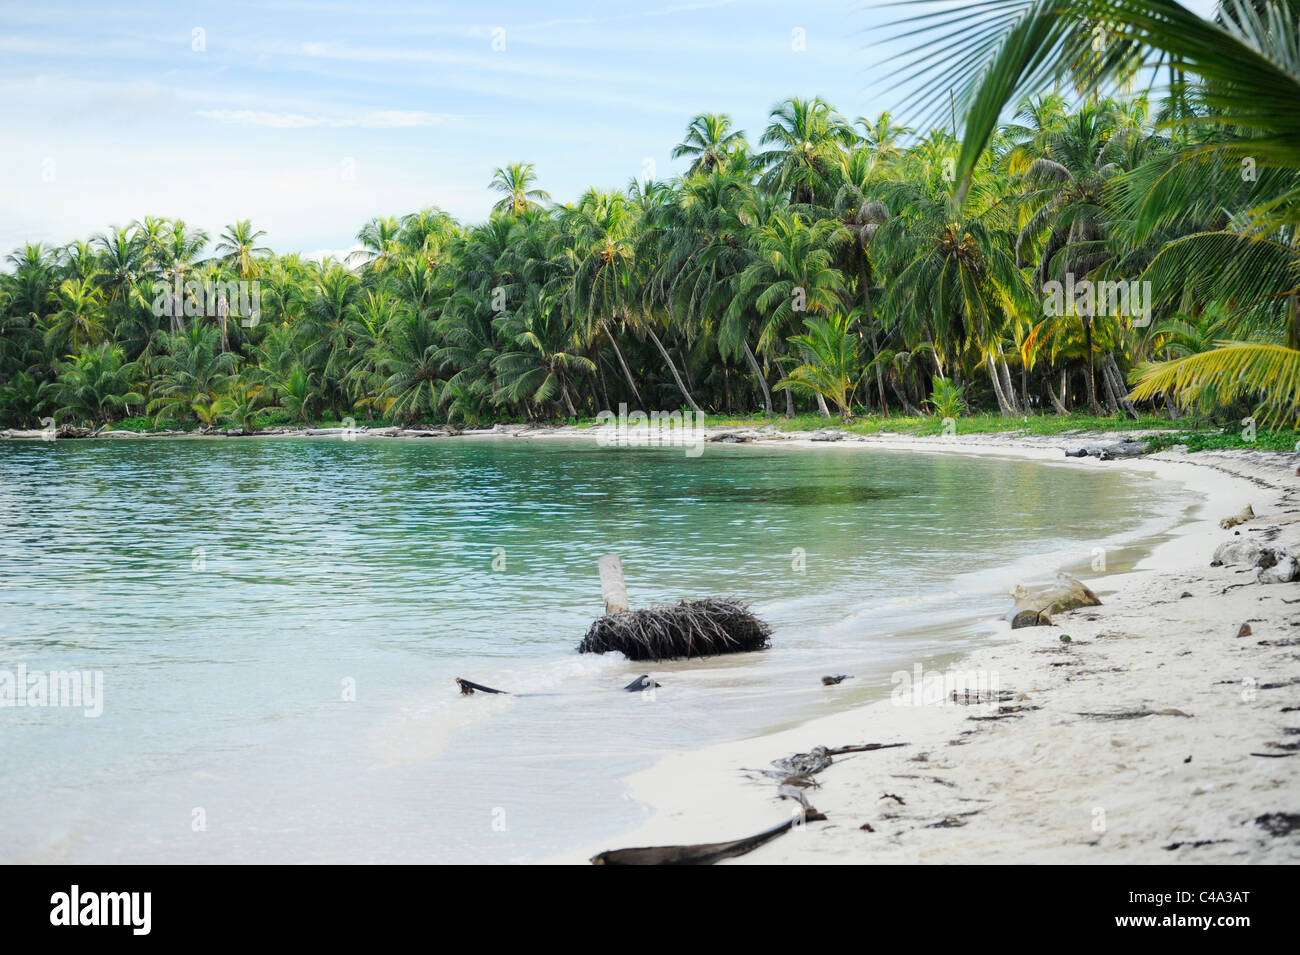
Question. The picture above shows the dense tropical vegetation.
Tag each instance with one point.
(833, 266)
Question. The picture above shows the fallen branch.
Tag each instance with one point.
(467, 688)
(705, 853)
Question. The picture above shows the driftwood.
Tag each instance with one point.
(705, 853)
(467, 688)
(1030, 618)
(837, 678)
(1068, 593)
(1245, 514)
(1134, 714)
(1110, 452)
(612, 585)
(802, 766)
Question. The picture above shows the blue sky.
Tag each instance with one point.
(311, 116)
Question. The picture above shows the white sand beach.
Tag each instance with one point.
(1064, 771)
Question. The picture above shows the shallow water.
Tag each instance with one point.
(236, 594)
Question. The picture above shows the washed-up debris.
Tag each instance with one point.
(1245, 514)
(804, 765)
(1067, 593)
(1279, 824)
(468, 689)
(1134, 714)
(1030, 618)
(705, 853)
(689, 628)
(837, 678)
(1110, 452)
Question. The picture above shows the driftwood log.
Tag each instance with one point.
(704, 853)
(468, 688)
(1067, 593)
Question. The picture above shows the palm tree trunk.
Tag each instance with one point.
(673, 368)
(1003, 408)
(1008, 388)
(1112, 400)
(627, 372)
(821, 406)
(762, 380)
(1051, 393)
(1116, 377)
(871, 330)
(564, 390)
(1093, 407)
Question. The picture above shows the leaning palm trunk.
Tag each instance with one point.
(673, 368)
(1057, 403)
(821, 406)
(627, 372)
(1091, 379)
(762, 380)
(996, 380)
(1008, 388)
(1115, 380)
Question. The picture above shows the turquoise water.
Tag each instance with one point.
(278, 622)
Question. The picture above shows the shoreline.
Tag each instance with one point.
(1047, 784)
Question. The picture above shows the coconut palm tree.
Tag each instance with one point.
(514, 182)
(829, 362)
(807, 137)
(1246, 74)
(92, 386)
(237, 247)
(710, 141)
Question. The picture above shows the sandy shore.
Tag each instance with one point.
(1207, 774)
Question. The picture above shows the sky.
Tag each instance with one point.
(310, 117)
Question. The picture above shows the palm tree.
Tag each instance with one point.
(808, 136)
(80, 317)
(238, 248)
(1066, 182)
(94, 385)
(709, 141)
(191, 370)
(1247, 79)
(598, 250)
(882, 136)
(792, 273)
(514, 182)
(829, 368)
(381, 245)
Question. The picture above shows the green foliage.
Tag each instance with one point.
(946, 398)
(794, 265)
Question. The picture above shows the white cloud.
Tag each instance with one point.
(380, 119)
